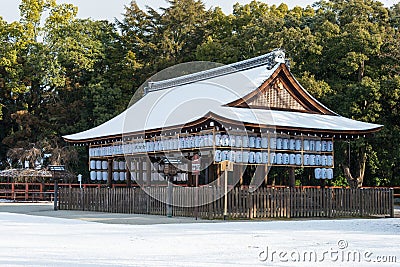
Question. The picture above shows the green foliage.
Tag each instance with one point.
(68, 74)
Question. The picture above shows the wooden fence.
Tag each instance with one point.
(262, 203)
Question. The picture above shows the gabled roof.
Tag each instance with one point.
(225, 93)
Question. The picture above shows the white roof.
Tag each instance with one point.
(296, 120)
(187, 102)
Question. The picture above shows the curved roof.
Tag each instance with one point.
(192, 97)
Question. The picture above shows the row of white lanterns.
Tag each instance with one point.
(323, 173)
(103, 165)
(121, 176)
(198, 141)
(273, 158)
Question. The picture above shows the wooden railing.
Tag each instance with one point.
(34, 191)
(262, 203)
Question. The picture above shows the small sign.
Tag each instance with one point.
(227, 165)
(196, 164)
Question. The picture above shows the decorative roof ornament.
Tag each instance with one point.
(277, 56)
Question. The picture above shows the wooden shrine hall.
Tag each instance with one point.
(252, 113)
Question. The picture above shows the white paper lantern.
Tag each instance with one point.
(306, 145)
(298, 144)
(232, 156)
(245, 157)
(285, 144)
(98, 164)
(292, 159)
(318, 161)
(92, 164)
(192, 141)
(292, 144)
(122, 176)
(232, 141)
(105, 176)
(93, 175)
(323, 173)
(225, 140)
(329, 174)
(306, 159)
(258, 142)
(99, 175)
(324, 160)
(318, 145)
(104, 165)
(279, 143)
(115, 165)
(224, 155)
(245, 141)
(312, 145)
(317, 173)
(272, 143)
(324, 146)
(115, 176)
(265, 157)
(279, 158)
(258, 157)
(329, 161)
(286, 159)
(330, 146)
(252, 141)
(252, 157)
(218, 141)
(217, 156)
(298, 159)
(264, 142)
(238, 156)
(312, 160)
(122, 165)
(239, 141)
(272, 158)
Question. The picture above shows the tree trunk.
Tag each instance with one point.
(356, 181)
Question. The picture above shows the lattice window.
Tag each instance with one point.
(276, 96)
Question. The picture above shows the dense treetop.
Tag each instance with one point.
(60, 74)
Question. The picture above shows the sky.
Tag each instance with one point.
(106, 9)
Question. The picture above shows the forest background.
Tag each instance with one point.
(60, 74)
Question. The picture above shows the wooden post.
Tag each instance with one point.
(292, 177)
(128, 176)
(148, 171)
(110, 172)
(140, 178)
(266, 171)
(190, 174)
(391, 199)
(207, 174)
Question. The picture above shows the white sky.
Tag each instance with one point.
(106, 9)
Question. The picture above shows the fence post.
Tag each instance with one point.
(288, 201)
(329, 203)
(391, 201)
(362, 197)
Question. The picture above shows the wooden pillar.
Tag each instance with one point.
(207, 174)
(236, 173)
(110, 172)
(292, 177)
(128, 172)
(266, 168)
(218, 171)
(148, 171)
(140, 170)
(190, 174)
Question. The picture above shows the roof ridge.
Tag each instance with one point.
(270, 60)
